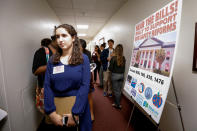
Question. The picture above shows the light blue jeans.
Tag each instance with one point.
(117, 83)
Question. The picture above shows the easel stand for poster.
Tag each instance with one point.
(131, 116)
(178, 106)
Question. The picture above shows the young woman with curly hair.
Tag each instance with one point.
(68, 75)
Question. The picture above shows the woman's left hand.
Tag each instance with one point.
(56, 119)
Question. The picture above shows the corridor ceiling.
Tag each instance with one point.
(94, 13)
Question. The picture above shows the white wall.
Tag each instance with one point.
(23, 24)
(91, 46)
(121, 28)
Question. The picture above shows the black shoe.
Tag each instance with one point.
(119, 107)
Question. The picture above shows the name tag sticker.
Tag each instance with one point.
(58, 69)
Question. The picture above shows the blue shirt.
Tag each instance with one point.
(73, 81)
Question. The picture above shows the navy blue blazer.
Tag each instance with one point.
(103, 58)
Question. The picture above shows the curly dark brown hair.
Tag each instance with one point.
(76, 56)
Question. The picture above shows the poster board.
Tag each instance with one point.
(152, 60)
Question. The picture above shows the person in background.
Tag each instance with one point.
(102, 47)
(68, 75)
(84, 50)
(117, 68)
(96, 59)
(40, 62)
(88, 53)
(41, 56)
(105, 58)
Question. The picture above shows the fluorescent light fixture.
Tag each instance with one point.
(82, 26)
(82, 34)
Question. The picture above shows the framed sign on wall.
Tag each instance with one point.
(194, 68)
(101, 41)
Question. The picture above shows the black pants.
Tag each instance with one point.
(50, 127)
(95, 72)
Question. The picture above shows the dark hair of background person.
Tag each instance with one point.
(110, 40)
(103, 45)
(85, 51)
(53, 38)
(99, 51)
(83, 43)
(76, 56)
(119, 54)
(46, 42)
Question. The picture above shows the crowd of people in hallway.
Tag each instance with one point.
(66, 84)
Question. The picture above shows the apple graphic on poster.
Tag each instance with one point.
(157, 100)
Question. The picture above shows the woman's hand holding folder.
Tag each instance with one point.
(56, 119)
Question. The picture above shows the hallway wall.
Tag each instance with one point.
(23, 24)
(121, 28)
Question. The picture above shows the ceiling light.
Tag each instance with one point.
(82, 26)
(82, 34)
